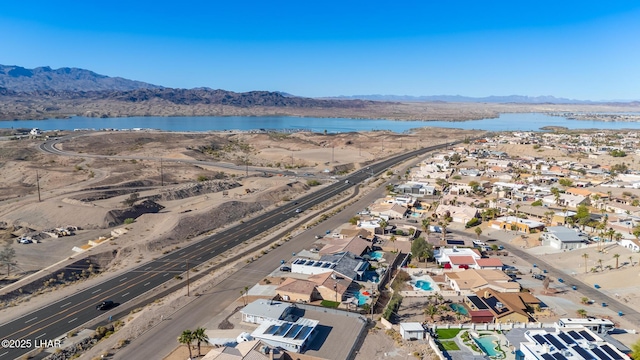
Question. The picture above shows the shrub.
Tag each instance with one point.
(472, 222)
(128, 221)
(313, 182)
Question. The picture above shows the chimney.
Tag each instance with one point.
(486, 294)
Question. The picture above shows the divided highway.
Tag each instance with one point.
(65, 315)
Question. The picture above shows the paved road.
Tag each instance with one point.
(63, 316)
(585, 289)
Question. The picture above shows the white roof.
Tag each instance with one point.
(411, 326)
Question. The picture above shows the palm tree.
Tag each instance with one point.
(618, 236)
(517, 210)
(616, 256)
(186, 338)
(581, 313)
(393, 240)
(243, 293)
(199, 336)
(585, 256)
(600, 264)
(425, 225)
(631, 260)
(431, 310)
(478, 231)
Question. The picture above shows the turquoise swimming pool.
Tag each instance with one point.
(376, 255)
(422, 285)
(488, 344)
(362, 298)
(459, 308)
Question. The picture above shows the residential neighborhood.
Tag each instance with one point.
(434, 260)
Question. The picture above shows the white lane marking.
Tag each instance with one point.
(72, 320)
(199, 258)
(63, 305)
(165, 274)
(182, 253)
(30, 320)
(147, 283)
(38, 337)
(4, 353)
(183, 265)
(226, 246)
(197, 246)
(123, 295)
(96, 291)
(123, 279)
(148, 267)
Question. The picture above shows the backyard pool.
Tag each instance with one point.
(459, 308)
(423, 284)
(488, 344)
(362, 298)
(375, 255)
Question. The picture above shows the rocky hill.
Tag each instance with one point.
(21, 79)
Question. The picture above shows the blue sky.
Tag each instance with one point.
(579, 50)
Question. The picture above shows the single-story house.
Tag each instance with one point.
(412, 330)
(563, 238)
(469, 281)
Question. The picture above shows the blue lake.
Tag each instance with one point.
(506, 122)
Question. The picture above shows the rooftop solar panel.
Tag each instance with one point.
(304, 333)
(554, 340)
(540, 340)
(575, 335)
(478, 303)
(584, 354)
(599, 353)
(547, 357)
(293, 331)
(566, 338)
(611, 352)
(455, 242)
(586, 335)
(283, 329)
(559, 356)
(272, 329)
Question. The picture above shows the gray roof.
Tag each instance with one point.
(347, 264)
(564, 234)
(266, 309)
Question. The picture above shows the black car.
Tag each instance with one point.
(105, 305)
(285, 268)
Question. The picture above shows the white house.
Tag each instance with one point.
(442, 255)
(412, 330)
(563, 238)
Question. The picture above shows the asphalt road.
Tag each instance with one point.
(552, 271)
(65, 315)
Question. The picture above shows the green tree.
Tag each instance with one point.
(354, 220)
(565, 182)
(585, 256)
(131, 199)
(199, 336)
(582, 213)
(425, 225)
(431, 310)
(7, 256)
(581, 313)
(421, 249)
(393, 241)
(616, 256)
(186, 338)
(478, 231)
(635, 350)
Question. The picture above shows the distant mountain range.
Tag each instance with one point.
(519, 99)
(21, 79)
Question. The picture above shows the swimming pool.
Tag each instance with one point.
(376, 255)
(459, 308)
(423, 285)
(488, 344)
(362, 298)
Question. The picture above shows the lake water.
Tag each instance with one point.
(506, 122)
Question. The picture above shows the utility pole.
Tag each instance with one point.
(187, 277)
(292, 158)
(38, 185)
(246, 167)
(161, 174)
(332, 151)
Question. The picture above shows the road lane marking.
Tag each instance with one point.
(63, 305)
(199, 258)
(123, 295)
(4, 353)
(123, 279)
(197, 246)
(165, 274)
(147, 283)
(148, 267)
(72, 320)
(30, 320)
(182, 253)
(96, 291)
(38, 337)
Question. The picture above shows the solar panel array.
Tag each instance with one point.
(570, 344)
(455, 242)
(289, 330)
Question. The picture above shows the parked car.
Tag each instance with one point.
(105, 305)
(285, 268)
(538, 276)
(318, 236)
(298, 211)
